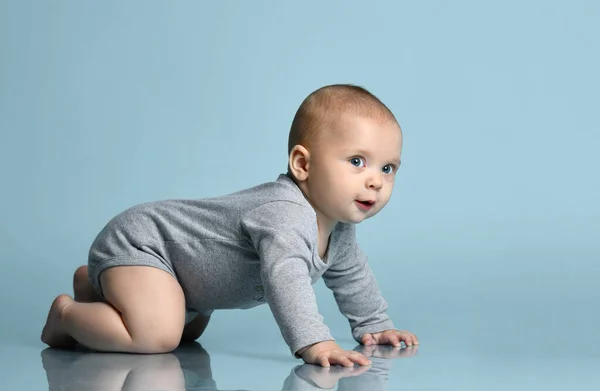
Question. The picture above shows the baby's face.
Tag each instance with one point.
(353, 168)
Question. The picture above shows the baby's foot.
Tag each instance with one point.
(53, 334)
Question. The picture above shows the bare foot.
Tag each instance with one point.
(53, 334)
(83, 290)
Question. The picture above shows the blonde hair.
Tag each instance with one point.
(327, 104)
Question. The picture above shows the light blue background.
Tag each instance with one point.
(489, 246)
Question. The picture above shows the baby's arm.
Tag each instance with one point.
(356, 291)
(281, 233)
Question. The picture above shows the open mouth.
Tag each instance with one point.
(365, 205)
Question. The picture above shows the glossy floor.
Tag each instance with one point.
(434, 366)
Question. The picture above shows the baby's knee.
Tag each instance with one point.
(156, 343)
(168, 343)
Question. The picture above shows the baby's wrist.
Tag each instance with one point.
(320, 343)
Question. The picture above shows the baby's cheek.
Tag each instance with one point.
(383, 203)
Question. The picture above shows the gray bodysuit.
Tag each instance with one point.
(244, 249)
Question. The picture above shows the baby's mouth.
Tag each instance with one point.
(365, 205)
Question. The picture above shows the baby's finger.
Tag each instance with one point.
(367, 339)
(358, 358)
(388, 339)
(415, 341)
(341, 359)
(414, 338)
(408, 339)
(324, 361)
(393, 339)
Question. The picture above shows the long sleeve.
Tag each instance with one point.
(356, 291)
(284, 235)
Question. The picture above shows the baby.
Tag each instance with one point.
(157, 271)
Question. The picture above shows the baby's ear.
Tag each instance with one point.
(299, 161)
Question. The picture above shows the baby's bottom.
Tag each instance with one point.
(143, 311)
(84, 292)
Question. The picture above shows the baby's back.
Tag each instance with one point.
(201, 242)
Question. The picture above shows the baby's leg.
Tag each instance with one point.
(82, 287)
(85, 293)
(144, 313)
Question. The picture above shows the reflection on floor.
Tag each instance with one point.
(189, 368)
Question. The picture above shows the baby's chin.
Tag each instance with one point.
(356, 219)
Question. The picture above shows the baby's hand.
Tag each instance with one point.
(329, 353)
(390, 337)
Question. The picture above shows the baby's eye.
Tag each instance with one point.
(388, 169)
(355, 161)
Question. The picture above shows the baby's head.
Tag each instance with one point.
(344, 151)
